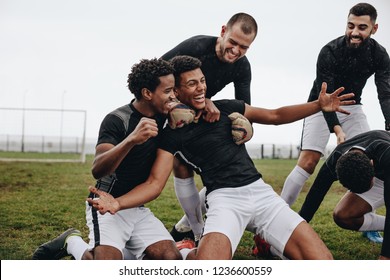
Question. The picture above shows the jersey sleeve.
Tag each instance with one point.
(111, 130)
(169, 139)
(382, 152)
(242, 84)
(325, 73)
(187, 47)
(382, 82)
(228, 106)
(324, 180)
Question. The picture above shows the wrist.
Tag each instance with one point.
(117, 204)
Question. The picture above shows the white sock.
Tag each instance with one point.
(294, 184)
(188, 196)
(76, 246)
(185, 251)
(202, 197)
(373, 222)
(127, 255)
(276, 253)
(184, 225)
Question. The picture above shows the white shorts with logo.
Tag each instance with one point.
(255, 207)
(315, 134)
(375, 195)
(131, 229)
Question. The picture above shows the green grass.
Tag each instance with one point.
(32, 155)
(38, 201)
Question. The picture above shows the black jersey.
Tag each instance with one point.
(218, 74)
(136, 166)
(376, 145)
(341, 66)
(209, 149)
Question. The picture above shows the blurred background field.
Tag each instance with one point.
(40, 200)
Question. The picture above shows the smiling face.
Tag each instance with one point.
(359, 29)
(192, 89)
(161, 98)
(233, 43)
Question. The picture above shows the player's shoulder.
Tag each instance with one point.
(230, 105)
(380, 134)
(378, 50)
(201, 40)
(335, 44)
(122, 112)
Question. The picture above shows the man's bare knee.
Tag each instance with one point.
(104, 252)
(308, 160)
(340, 218)
(305, 244)
(163, 250)
(182, 170)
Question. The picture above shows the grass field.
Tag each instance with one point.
(38, 201)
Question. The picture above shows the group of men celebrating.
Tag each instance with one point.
(172, 124)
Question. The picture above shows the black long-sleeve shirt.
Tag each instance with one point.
(376, 145)
(341, 66)
(218, 74)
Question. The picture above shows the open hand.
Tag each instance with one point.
(332, 102)
(105, 202)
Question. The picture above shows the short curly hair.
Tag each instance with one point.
(146, 74)
(355, 171)
(184, 63)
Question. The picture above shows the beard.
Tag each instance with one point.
(362, 42)
(224, 53)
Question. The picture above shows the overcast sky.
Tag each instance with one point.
(76, 54)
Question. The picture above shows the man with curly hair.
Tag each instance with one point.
(362, 165)
(237, 197)
(125, 152)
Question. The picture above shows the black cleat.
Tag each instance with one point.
(179, 236)
(56, 248)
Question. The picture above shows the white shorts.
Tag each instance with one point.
(374, 196)
(255, 207)
(315, 134)
(133, 229)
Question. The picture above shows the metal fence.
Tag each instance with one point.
(48, 144)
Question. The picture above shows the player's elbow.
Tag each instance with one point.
(98, 170)
(97, 173)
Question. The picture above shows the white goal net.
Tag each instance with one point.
(32, 134)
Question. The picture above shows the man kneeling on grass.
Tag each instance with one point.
(237, 197)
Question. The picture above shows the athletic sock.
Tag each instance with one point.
(188, 196)
(127, 255)
(373, 222)
(76, 246)
(276, 253)
(202, 197)
(185, 251)
(294, 184)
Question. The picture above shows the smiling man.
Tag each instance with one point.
(224, 61)
(346, 61)
(237, 197)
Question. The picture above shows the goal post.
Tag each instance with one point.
(40, 134)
